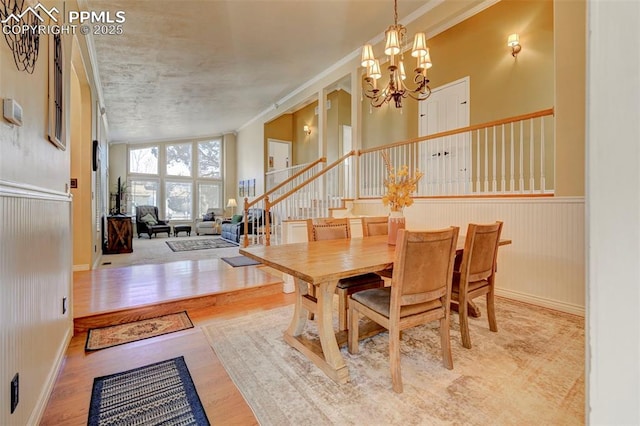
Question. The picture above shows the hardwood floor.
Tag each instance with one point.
(205, 288)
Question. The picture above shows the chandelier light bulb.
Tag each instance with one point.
(392, 47)
(425, 61)
(367, 56)
(375, 72)
(419, 46)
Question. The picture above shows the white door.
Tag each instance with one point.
(446, 162)
(279, 153)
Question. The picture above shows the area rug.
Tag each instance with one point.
(160, 393)
(530, 372)
(237, 261)
(113, 335)
(200, 244)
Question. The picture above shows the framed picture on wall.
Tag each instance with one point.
(246, 188)
(241, 189)
(252, 188)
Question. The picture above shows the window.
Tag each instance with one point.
(179, 160)
(142, 193)
(179, 200)
(209, 197)
(210, 159)
(182, 179)
(144, 160)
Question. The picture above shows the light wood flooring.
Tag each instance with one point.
(205, 288)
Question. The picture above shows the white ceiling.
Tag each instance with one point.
(184, 69)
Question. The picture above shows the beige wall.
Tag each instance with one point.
(570, 57)
(501, 86)
(548, 73)
(80, 149)
(337, 116)
(305, 147)
(388, 124)
(35, 220)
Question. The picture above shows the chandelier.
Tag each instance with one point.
(396, 88)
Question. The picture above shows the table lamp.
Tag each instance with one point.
(232, 203)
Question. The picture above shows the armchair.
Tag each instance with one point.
(147, 221)
(210, 223)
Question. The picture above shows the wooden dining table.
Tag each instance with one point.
(322, 264)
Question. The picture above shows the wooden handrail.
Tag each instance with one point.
(303, 184)
(541, 113)
(286, 181)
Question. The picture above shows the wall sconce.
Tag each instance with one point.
(514, 43)
(307, 129)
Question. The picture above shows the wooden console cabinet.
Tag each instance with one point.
(119, 235)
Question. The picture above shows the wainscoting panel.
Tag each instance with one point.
(35, 242)
(545, 265)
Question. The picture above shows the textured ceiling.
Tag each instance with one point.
(185, 69)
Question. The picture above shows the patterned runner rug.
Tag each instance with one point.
(200, 244)
(113, 335)
(160, 393)
(530, 372)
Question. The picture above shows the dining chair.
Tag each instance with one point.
(476, 274)
(420, 293)
(320, 229)
(377, 225)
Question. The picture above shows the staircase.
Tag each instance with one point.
(507, 157)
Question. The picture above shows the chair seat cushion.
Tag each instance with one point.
(360, 280)
(379, 299)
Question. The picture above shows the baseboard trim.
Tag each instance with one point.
(543, 302)
(47, 389)
(82, 267)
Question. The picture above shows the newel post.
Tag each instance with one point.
(267, 227)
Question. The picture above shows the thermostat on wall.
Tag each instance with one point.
(12, 111)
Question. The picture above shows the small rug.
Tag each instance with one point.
(160, 393)
(200, 244)
(113, 335)
(240, 261)
(530, 372)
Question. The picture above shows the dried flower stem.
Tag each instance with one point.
(399, 185)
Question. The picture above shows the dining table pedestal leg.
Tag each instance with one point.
(472, 309)
(325, 354)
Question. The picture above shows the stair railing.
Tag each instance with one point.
(504, 157)
(258, 223)
(314, 197)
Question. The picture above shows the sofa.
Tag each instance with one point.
(210, 222)
(147, 222)
(233, 229)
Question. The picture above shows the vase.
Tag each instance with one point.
(396, 222)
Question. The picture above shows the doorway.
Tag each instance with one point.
(279, 158)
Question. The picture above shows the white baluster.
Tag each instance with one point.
(542, 154)
(532, 180)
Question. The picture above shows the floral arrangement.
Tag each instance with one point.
(400, 185)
